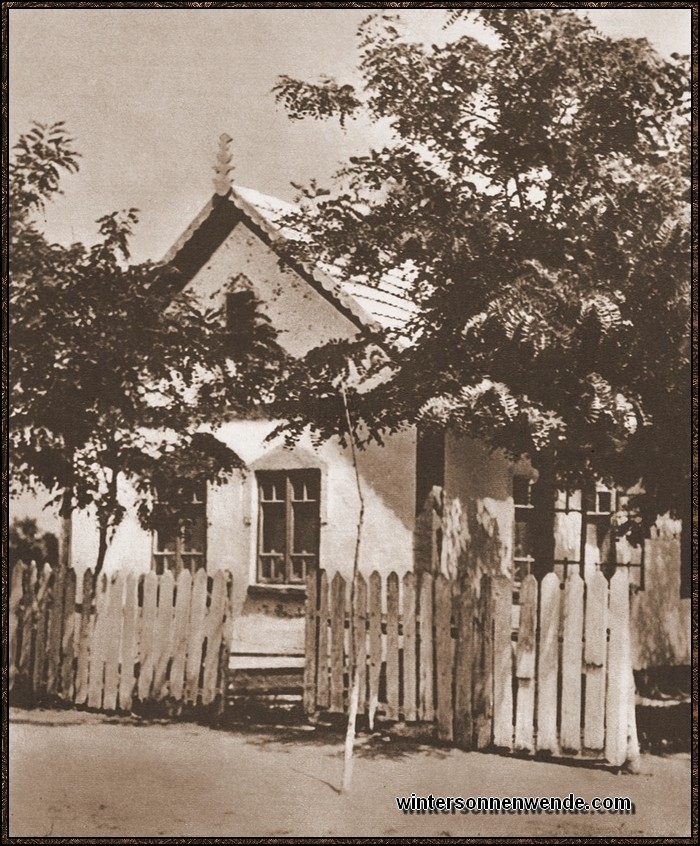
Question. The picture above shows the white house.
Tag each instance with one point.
(295, 509)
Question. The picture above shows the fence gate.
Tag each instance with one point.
(121, 638)
(552, 674)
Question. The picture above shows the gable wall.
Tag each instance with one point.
(301, 315)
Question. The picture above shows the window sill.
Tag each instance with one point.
(293, 591)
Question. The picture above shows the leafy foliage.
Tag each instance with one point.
(538, 191)
(112, 376)
(27, 543)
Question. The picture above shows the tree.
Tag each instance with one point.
(27, 543)
(114, 375)
(535, 193)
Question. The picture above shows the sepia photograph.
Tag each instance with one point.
(349, 454)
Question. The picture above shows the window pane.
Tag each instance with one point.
(521, 490)
(278, 570)
(193, 533)
(272, 487)
(272, 536)
(300, 567)
(305, 485)
(522, 546)
(567, 536)
(305, 534)
(166, 540)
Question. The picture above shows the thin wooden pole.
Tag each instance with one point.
(354, 664)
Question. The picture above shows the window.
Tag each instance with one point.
(584, 533)
(241, 320)
(180, 534)
(288, 525)
(523, 559)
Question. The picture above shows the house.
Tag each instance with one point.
(295, 509)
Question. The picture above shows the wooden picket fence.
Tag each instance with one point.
(561, 683)
(126, 639)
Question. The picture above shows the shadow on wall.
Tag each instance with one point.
(390, 471)
(660, 618)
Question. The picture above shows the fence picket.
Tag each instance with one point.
(525, 666)
(426, 708)
(392, 646)
(337, 641)
(222, 684)
(408, 670)
(129, 645)
(15, 617)
(464, 652)
(360, 644)
(195, 637)
(548, 664)
(54, 633)
(444, 656)
(28, 623)
(310, 643)
(89, 654)
(87, 622)
(571, 664)
(69, 642)
(162, 635)
(322, 681)
(483, 682)
(113, 640)
(147, 621)
(181, 623)
(43, 605)
(215, 631)
(618, 674)
(97, 645)
(375, 644)
(502, 663)
(595, 659)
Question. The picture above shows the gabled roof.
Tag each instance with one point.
(386, 307)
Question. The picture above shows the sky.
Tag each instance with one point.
(147, 92)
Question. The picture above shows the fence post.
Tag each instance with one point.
(617, 702)
(525, 666)
(483, 682)
(392, 646)
(322, 686)
(15, 616)
(310, 644)
(464, 654)
(502, 663)
(409, 646)
(426, 709)
(444, 656)
(68, 646)
(548, 663)
(571, 664)
(337, 642)
(360, 645)
(375, 643)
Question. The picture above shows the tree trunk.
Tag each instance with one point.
(66, 515)
(354, 666)
(544, 493)
(101, 549)
(106, 525)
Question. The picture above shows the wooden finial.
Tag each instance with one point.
(223, 168)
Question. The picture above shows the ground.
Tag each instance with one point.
(84, 774)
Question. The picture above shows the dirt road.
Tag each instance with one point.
(79, 774)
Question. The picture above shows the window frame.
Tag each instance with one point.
(288, 555)
(199, 557)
